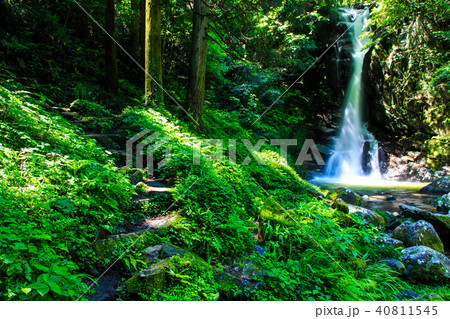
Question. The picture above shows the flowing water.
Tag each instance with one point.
(355, 150)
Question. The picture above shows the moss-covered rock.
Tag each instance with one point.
(368, 216)
(440, 222)
(399, 221)
(443, 203)
(104, 247)
(166, 274)
(164, 251)
(396, 265)
(426, 265)
(386, 242)
(340, 205)
(440, 187)
(420, 233)
(347, 195)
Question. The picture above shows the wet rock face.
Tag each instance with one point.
(411, 166)
(420, 233)
(426, 265)
(439, 187)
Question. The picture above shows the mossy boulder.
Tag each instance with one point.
(399, 221)
(396, 265)
(439, 187)
(443, 203)
(347, 195)
(164, 251)
(368, 216)
(166, 273)
(440, 222)
(426, 265)
(159, 276)
(105, 247)
(420, 233)
(386, 242)
(340, 205)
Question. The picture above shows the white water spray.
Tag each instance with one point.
(355, 151)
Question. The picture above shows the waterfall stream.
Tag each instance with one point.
(355, 150)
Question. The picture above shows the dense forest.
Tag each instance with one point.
(216, 92)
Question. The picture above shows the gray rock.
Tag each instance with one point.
(397, 222)
(395, 265)
(368, 216)
(340, 205)
(439, 187)
(440, 222)
(163, 251)
(152, 253)
(426, 265)
(420, 233)
(347, 195)
(386, 242)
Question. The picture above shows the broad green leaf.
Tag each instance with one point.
(54, 287)
(40, 267)
(43, 291)
(25, 290)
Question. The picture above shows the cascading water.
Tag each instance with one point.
(355, 151)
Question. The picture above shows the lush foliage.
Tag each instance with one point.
(61, 193)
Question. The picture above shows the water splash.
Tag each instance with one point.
(355, 151)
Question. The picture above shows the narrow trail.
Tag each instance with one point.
(149, 190)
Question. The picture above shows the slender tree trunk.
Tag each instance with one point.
(135, 28)
(153, 62)
(112, 79)
(142, 8)
(197, 73)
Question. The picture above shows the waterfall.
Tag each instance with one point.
(355, 150)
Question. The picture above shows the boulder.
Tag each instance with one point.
(420, 233)
(368, 216)
(426, 265)
(386, 242)
(165, 273)
(443, 203)
(397, 222)
(154, 278)
(395, 265)
(340, 205)
(439, 187)
(347, 195)
(104, 247)
(389, 218)
(440, 222)
(153, 253)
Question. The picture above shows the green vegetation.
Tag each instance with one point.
(67, 201)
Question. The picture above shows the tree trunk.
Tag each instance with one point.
(135, 28)
(112, 79)
(197, 73)
(142, 8)
(153, 62)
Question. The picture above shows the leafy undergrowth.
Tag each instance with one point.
(59, 192)
(313, 252)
